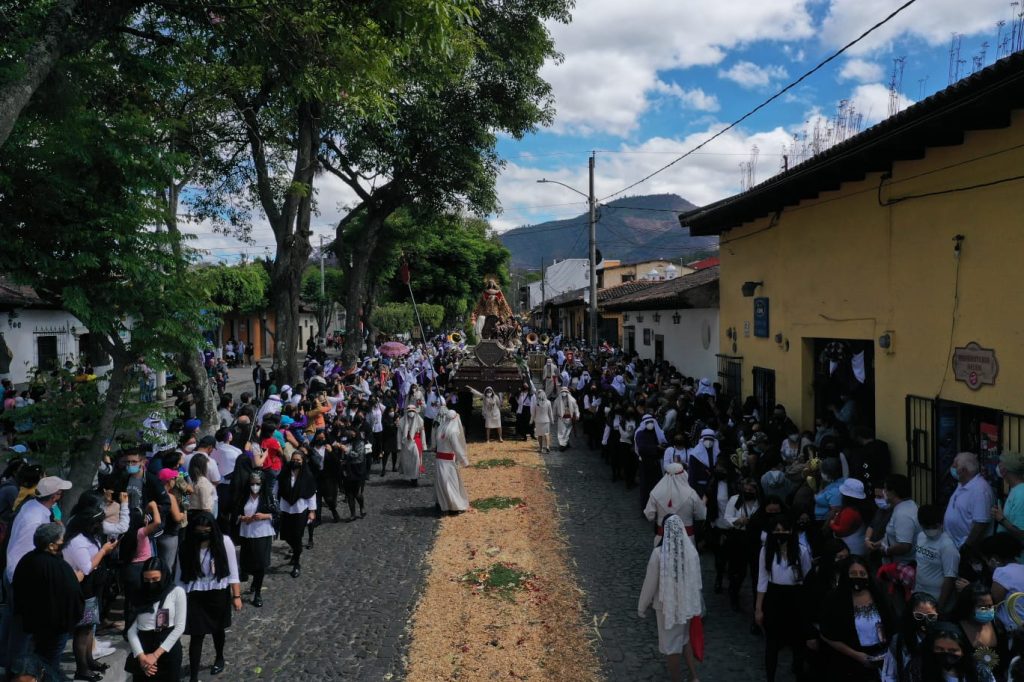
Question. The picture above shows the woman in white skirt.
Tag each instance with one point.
(673, 587)
(492, 412)
(541, 417)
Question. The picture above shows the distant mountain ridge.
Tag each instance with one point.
(629, 229)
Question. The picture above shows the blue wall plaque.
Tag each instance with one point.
(761, 316)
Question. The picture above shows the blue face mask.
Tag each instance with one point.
(953, 472)
(133, 469)
(985, 615)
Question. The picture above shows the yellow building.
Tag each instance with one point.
(879, 276)
(613, 273)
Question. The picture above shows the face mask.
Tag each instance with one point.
(255, 488)
(203, 535)
(151, 589)
(709, 443)
(949, 661)
(749, 496)
(650, 426)
(781, 538)
(881, 503)
(858, 584)
(953, 472)
(295, 465)
(984, 615)
(190, 447)
(933, 532)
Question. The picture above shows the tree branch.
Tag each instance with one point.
(157, 38)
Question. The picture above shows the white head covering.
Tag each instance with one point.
(673, 488)
(619, 384)
(705, 388)
(679, 582)
(657, 428)
(583, 381)
(701, 453)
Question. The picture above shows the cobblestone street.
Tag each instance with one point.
(611, 543)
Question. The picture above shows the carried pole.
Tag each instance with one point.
(593, 257)
(407, 278)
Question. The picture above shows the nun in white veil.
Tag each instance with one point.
(673, 587)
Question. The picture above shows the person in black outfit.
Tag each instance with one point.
(389, 439)
(869, 459)
(296, 492)
(355, 465)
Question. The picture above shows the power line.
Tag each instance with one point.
(768, 101)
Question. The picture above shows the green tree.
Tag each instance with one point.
(436, 153)
(393, 318)
(333, 293)
(85, 238)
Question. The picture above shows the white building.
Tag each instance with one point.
(559, 277)
(35, 333)
(676, 321)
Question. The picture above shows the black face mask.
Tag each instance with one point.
(203, 535)
(949, 661)
(151, 590)
(858, 584)
(749, 496)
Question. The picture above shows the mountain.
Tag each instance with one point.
(629, 229)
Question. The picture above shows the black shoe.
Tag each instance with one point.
(362, 514)
(563, 448)
(96, 666)
(218, 667)
(257, 601)
(296, 571)
(89, 676)
(309, 545)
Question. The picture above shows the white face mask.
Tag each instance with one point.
(709, 443)
(881, 503)
(650, 426)
(190, 447)
(255, 488)
(933, 533)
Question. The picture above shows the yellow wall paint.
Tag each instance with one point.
(841, 266)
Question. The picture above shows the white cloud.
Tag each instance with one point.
(860, 70)
(872, 101)
(931, 21)
(706, 176)
(614, 51)
(751, 75)
(695, 99)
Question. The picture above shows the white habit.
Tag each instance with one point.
(451, 442)
(566, 412)
(410, 444)
(541, 415)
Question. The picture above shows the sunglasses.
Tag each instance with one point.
(929, 617)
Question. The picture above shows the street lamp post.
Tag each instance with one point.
(592, 205)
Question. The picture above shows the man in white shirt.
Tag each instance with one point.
(903, 527)
(969, 513)
(32, 514)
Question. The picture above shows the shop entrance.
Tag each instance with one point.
(939, 429)
(844, 381)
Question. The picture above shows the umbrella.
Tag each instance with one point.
(394, 349)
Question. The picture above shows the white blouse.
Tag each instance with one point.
(256, 529)
(301, 506)
(782, 572)
(208, 580)
(176, 605)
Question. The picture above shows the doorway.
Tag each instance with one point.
(844, 381)
(629, 342)
(659, 348)
(46, 349)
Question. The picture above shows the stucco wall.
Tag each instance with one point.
(684, 342)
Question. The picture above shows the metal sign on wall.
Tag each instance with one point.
(761, 317)
(975, 366)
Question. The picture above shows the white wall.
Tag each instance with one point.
(560, 277)
(684, 342)
(34, 323)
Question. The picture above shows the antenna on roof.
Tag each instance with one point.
(979, 59)
(896, 84)
(954, 58)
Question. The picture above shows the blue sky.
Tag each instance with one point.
(643, 81)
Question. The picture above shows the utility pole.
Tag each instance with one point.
(593, 257)
(323, 297)
(543, 291)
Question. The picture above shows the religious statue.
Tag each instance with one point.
(492, 317)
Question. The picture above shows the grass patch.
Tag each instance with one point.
(489, 503)
(499, 579)
(491, 463)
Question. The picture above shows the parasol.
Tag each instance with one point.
(394, 349)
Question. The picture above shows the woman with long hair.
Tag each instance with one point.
(783, 566)
(903, 659)
(949, 657)
(856, 625)
(975, 612)
(209, 574)
(256, 513)
(154, 635)
(297, 502)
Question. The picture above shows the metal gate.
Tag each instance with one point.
(764, 391)
(730, 374)
(920, 413)
(1011, 436)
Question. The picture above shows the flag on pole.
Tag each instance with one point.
(404, 272)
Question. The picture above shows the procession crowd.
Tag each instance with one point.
(811, 532)
(177, 521)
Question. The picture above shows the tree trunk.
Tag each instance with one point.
(38, 63)
(202, 390)
(83, 466)
(294, 246)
